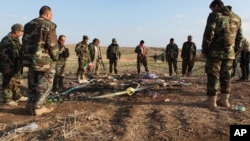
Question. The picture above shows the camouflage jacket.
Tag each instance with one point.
(40, 44)
(172, 51)
(222, 35)
(188, 50)
(82, 51)
(10, 53)
(63, 55)
(113, 51)
(93, 52)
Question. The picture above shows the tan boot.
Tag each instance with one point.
(43, 110)
(211, 102)
(223, 101)
(12, 103)
(22, 99)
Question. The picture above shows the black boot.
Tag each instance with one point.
(61, 86)
(55, 84)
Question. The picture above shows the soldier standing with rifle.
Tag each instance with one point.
(60, 64)
(11, 66)
(82, 52)
(113, 54)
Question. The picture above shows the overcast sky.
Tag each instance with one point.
(129, 21)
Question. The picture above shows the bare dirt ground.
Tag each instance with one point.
(170, 113)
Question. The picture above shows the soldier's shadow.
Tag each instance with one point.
(18, 110)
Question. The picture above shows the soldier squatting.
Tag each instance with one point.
(45, 55)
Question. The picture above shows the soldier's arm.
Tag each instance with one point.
(6, 59)
(136, 49)
(194, 49)
(78, 49)
(108, 49)
(183, 51)
(239, 37)
(51, 41)
(209, 32)
(177, 50)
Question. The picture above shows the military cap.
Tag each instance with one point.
(85, 37)
(17, 27)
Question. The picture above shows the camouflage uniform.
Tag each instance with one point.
(221, 39)
(82, 52)
(60, 67)
(141, 51)
(188, 54)
(40, 45)
(113, 54)
(172, 52)
(95, 56)
(244, 59)
(10, 62)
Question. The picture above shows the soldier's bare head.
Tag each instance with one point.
(46, 12)
(96, 42)
(171, 40)
(62, 39)
(17, 30)
(216, 5)
(190, 38)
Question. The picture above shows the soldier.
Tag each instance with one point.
(113, 54)
(82, 52)
(172, 52)
(244, 59)
(60, 64)
(40, 44)
(188, 54)
(155, 57)
(141, 51)
(95, 54)
(220, 41)
(10, 61)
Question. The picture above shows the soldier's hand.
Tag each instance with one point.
(62, 49)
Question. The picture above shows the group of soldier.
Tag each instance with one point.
(90, 58)
(45, 57)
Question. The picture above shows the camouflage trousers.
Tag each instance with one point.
(218, 75)
(172, 62)
(59, 75)
(11, 86)
(113, 62)
(142, 60)
(40, 85)
(82, 68)
(187, 66)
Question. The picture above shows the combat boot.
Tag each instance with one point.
(22, 99)
(223, 101)
(43, 110)
(12, 103)
(211, 102)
